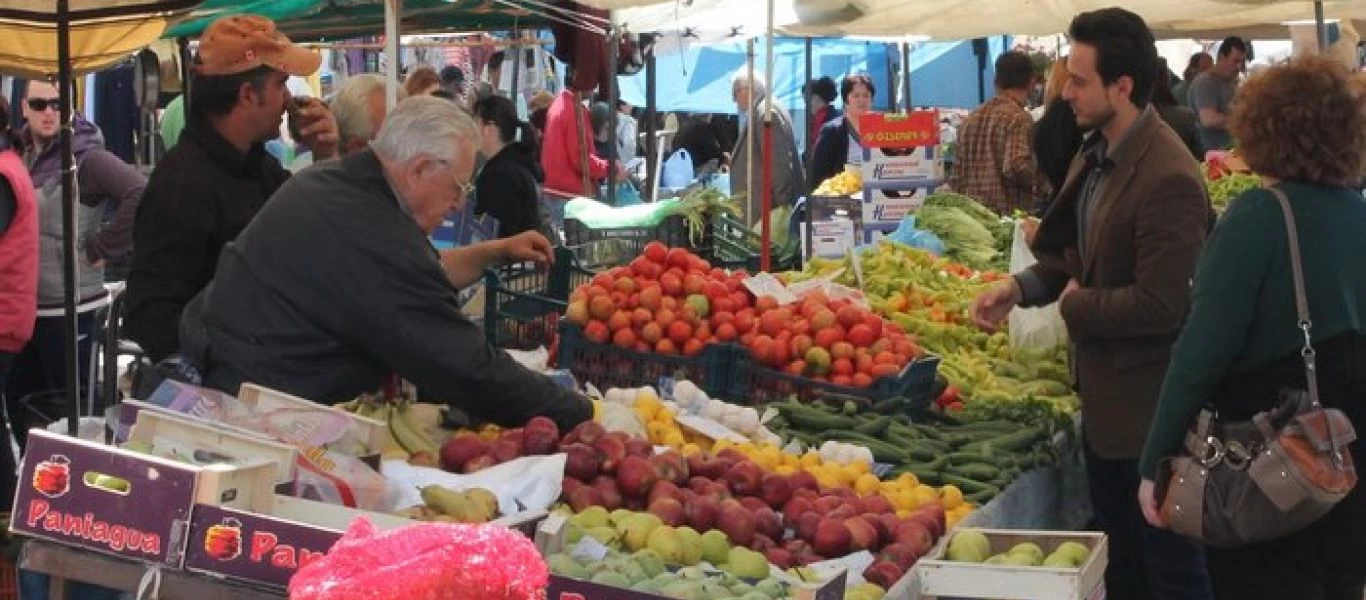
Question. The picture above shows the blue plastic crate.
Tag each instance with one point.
(522, 304)
(753, 383)
(607, 366)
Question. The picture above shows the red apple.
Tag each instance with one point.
(775, 489)
(875, 503)
(768, 523)
(664, 489)
(479, 463)
(781, 558)
(699, 484)
(862, 535)
(841, 512)
(585, 497)
(903, 555)
(702, 513)
(831, 539)
(737, 523)
(640, 448)
(668, 510)
(797, 547)
(581, 462)
(506, 449)
(459, 450)
(806, 525)
(825, 504)
(670, 467)
(931, 517)
(744, 478)
(586, 432)
(611, 494)
(762, 543)
(703, 464)
(803, 480)
(752, 503)
(883, 573)
(795, 507)
(540, 436)
(568, 485)
(635, 476)
(913, 535)
(612, 451)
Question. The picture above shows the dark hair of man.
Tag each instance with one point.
(215, 95)
(1162, 92)
(1014, 71)
(1230, 44)
(847, 85)
(1192, 66)
(1124, 47)
(824, 88)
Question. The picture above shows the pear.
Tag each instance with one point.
(1077, 551)
(665, 542)
(611, 578)
(691, 545)
(715, 547)
(604, 535)
(1033, 550)
(593, 516)
(744, 562)
(635, 530)
(1059, 560)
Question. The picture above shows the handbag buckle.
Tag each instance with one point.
(1237, 456)
(1213, 452)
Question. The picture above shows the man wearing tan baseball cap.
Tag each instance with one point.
(211, 184)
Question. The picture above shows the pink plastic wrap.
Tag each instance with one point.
(427, 561)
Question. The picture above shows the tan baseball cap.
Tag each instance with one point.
(239, 43)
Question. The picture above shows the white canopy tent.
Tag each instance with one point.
(963, 19)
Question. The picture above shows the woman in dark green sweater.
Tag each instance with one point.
(1302, 126)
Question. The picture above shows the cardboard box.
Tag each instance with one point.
(941, 577)
(144, 517)
(894, 202)
(902, 165)
(833, 226)
(268, 549)
(372, 433)
(875, 231)
(162, 433)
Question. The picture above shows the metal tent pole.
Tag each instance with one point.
(812, 127)
(1319, 27)
(393, 11)
(651, 127)
(611, 83)
(73, 367)
(906, 74)
(765, 227)
(750, 130)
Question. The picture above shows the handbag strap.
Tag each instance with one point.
(1301, 302)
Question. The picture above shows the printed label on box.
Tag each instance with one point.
(108, 500)
(902, 165)
(892, 204)
(832, 239)
(251, 547)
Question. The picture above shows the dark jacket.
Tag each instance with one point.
(201, 195)
(699, 138)
(1144, 235)
(508, 188)
(333, 288)
(831, 153)
(1182, 120)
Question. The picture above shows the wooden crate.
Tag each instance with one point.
(940, 577)
(165, 433)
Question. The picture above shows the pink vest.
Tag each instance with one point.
(18, 258)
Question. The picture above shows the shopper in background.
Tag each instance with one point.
(788, 175)
(821, 93)
(539, 107)
(838, 143)
(18, 271)
(509, 185)
(348, 240)
(561, 153)
(206, 189)
(359, 110)
(1056, 137)
(697, 135)
(627, 130)
(1182, 120)
(453, 82)
(1116, 251)
(600, 115)
(1302, 127)
(422, 81)
(994, 165)
(1198, 63)
(1211, 93)
(103, 181)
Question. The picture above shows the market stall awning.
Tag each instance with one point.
(963, 19)
(319, 20)
(103, 32)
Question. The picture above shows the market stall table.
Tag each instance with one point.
(61, 563)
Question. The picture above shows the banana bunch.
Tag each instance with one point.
(846, 183)
(473, 505)
(407, 437)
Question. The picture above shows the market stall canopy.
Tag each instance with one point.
(103, 32)
(321, 20)
(958, 19)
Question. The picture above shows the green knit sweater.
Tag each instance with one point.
(1243, 309)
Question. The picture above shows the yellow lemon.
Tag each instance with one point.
(861, 467)
(827, 480)
(810, 459)
(674, 438)
(690, 449)
(906, 500)
(785, 470)
(721, 444)
(848, 475)
(925, 494)
(902, 513)
(951, 496)
(866, 483)
(908, 479)
(770, 456)
(656, 431)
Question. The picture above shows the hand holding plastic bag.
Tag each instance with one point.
(1032, 327)
(432, 561)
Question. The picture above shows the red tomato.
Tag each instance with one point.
(680, 332)
(678, 257)
(692, 347)
(656, 252)
(796, 367)
(720, 317)
(725, 332)
(666, 346)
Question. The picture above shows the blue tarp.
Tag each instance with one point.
(698, 79)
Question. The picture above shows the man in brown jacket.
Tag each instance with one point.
(1117, 250)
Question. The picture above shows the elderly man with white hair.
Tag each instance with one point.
(359, 109)
(334, 288)
(789, 177)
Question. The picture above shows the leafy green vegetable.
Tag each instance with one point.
(1224, 189)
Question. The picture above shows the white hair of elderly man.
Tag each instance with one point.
(424, 126)
(351, 106)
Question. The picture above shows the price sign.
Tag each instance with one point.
(899, 130)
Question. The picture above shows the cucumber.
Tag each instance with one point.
(814, 420)
(874, 426)
(921, 453)
(981, 497)
(929, 432)
(969, 458)
(1019, 440)
(975, 471)
(968, 486)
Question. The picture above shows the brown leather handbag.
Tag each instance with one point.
(1239, 483)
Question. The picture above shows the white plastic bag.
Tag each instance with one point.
(1032, 327)
(526, 483)
(678, 170)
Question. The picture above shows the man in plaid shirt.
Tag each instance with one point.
(994, 165)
